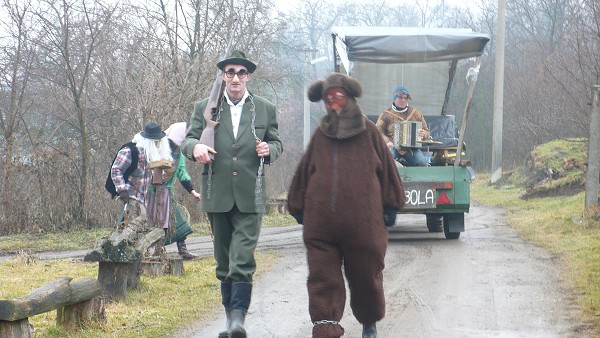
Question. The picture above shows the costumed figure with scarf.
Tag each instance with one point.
(345, 191)
(175, 223)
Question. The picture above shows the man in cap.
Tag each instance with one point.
(401, 111)
(233, 193)
(132, 183)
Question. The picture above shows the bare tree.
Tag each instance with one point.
(71, 35)
(15, 71)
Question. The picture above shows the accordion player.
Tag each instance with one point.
(406, 134)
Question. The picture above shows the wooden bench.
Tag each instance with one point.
(75, 303)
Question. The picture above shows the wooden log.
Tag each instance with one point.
(73, 317)
(38, 301)
(120, 246)
(16, 329)
(49, 297)
(149, 239)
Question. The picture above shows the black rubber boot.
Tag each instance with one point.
(240, 301)
(226, 301)
(369, 331)
(237, 330)
(225, 333)
(183, 251)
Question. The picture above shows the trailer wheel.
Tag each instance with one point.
(447, 233)
(434, 222)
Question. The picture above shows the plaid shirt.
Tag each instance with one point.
(138, 182)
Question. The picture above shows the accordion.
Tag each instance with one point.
(406, 134)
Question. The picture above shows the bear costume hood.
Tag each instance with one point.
(350, 121)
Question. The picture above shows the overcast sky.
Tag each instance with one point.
(287, 5)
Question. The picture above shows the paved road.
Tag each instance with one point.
(201, 246)
(488, 283)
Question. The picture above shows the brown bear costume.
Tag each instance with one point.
(341, 186)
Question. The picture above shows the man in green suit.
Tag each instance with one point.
(233, 192)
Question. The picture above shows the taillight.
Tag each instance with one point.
(443, 185)
(443, 198)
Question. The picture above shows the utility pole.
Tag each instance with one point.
(308, 52)
(593, 160)
(498, 94)
(307, 56)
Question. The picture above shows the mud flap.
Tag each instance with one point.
(456, 222)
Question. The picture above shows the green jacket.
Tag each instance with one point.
(235, 166)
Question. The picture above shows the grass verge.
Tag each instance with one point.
(559, 225)
(157, 308)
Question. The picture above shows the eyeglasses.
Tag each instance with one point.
(336, 98)
(240, 74)
(402, 95)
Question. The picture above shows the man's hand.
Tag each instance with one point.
(196, 195)
(262, 149)
(389, 216)
(201, 152)
(124, 196)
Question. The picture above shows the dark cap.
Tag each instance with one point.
(238, 58)
(152, 131)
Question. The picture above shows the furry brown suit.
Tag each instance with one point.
(338, 192)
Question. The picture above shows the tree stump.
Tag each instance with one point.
(158, 266)
(16, 329)
(72, 317)
(176, 265)
(119, 257)
(113, 278)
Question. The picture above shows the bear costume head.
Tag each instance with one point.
(344, 117)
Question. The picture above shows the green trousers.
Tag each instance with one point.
(235, 237)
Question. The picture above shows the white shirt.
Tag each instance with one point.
(236, 112)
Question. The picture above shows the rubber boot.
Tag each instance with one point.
(369, 331)
(226, 301)
(183, 251)
(237, 330)
(225, 333)
(240, 301)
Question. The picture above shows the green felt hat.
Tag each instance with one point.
(238, 58)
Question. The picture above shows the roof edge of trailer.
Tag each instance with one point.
(407, 44)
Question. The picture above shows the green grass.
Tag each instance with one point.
(560, 225)
(157, 308)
